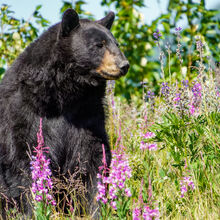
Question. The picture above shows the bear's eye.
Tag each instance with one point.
(101, 44)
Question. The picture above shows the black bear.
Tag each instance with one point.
(60, 77)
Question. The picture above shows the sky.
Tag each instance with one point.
(50, 8)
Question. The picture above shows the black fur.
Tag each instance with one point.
(55, 78)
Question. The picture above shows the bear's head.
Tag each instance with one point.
(70, 61)
(91, 47)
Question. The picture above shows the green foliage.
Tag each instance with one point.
(201, 23)
(16, 35)
(135, 38)
(78, 6)
(42, 211)
(182, 138)
(134, 35)
(185, 136)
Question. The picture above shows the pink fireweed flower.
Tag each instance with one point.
(217, 91)
(113, 205)
(186, 184)
(192, 109)
(197, 89)
(128, 192)
(152, 146)
(120, 171)
(177, 99)
(136, 215)
(101, 192)
(149, 135)
(38, 198)
(183, 189)
(148, 146)
(150, 214)
(142, 210)
(40, 171)
(145, 213)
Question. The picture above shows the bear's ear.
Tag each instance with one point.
(107, 21)
(69, 22)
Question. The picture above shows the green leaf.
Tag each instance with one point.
(2, 70)
(38, 7)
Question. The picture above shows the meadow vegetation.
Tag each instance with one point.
(165, 140)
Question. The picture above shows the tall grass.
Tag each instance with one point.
(166, 148)
(176, 169)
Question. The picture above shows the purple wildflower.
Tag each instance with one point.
(113, 205)
(192, 109)
(165, 89)
(101, 192)
(38, 198)
(142, 209)
(157, 35)
(149, 135)
(148, 146)
(128, 192)
(41, 173)
(150, 214)
(217, 92)
(197, 88)
(185, 83)
(140, 197)
(150, 191)
(150, 98)
(186, 183)
(199, 45)
(177, 99)
(177, 30)
(136, 215)
(178, 49)
(120, 171)
(196, 99)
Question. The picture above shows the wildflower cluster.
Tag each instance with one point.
(136, 213)
(41, 173)
(185, 83)
(177, 30)
(165, 89)
(142, 210)
(199, 45)
(149, 146)
(148, 213)
(186, 182)
(196, 99)
(183, 99)
(150, 97)
(177, 99)
(178, 50)
(157, 35)
(120, 171)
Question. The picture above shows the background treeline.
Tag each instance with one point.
(135, 38)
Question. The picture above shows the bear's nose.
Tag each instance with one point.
(124, 66)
